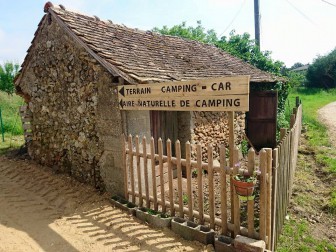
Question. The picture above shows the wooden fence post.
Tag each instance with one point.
(160, 150)
(274, 196)
(223, 190)
(170, 178)
(179, 177)
(269, 197)
(189, 185)
(152, 144)
(200, 183)
(262, 221)
(250, 203)
(131, 169)
(236, 202)
(125, 166)
(211, 188)
(138, 170)
(144, 151)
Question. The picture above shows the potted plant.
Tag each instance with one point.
(245, 184)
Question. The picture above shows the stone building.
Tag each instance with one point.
(69, 81)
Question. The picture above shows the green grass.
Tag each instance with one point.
(296, 234)
(12, 125)
(313, 100)
(11, 142)
(296, 237)
(9, 105)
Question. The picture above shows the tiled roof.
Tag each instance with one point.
(141, 57)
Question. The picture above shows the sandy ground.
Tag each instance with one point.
(43, 211)
(327, 115)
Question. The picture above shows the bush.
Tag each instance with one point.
(322, 73)
(7, 74)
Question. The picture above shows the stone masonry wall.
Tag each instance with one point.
(69, 119)
(212, 128)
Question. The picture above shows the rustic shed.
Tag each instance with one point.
(69, 78)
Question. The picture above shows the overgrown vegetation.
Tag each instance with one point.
(9, 105)
(13, 137)
(8, 71)
(322, 73)
(297, 235)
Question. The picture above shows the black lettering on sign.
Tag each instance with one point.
(221, 86)
(157, 104)
(134, 91)
(179, 88)
(184, 103)
(217, 103)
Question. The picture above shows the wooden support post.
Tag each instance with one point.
(179, 177)
(231, 147)
(211, 188)
(138, 170)
(131, 169)
(231, 136)
(189, 185)
(153, 174)
(144, 151)
(200, 182)
(223, 190)
(160, 150)
(170, 178)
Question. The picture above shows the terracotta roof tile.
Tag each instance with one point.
(150, 57)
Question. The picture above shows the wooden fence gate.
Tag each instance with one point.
(206, 195)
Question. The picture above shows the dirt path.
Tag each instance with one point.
(42, 211)
(327, 115)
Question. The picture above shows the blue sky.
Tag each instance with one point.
(294, 30)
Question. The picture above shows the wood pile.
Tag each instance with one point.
(212, 128)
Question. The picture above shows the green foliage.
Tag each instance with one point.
(190, 32)
(9, 105)
(242, 46)
(7, 74)
(296, 237)
(296, 79)
(244, 147)
(322, 73)
(185, 199)
(332, 204)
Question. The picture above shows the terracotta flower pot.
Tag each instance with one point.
(244, 188)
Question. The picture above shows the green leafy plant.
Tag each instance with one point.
(152, 212)
(185, 198)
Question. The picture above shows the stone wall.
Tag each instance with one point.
(212, 128)
(76, 123)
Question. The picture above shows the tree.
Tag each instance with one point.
(322, 73)
(8, 71)
(241, 46)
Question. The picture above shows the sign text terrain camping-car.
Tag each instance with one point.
(215, 94)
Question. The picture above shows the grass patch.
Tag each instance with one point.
(313, 99)
(296, 237)
(11, 142)
(9, 105)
